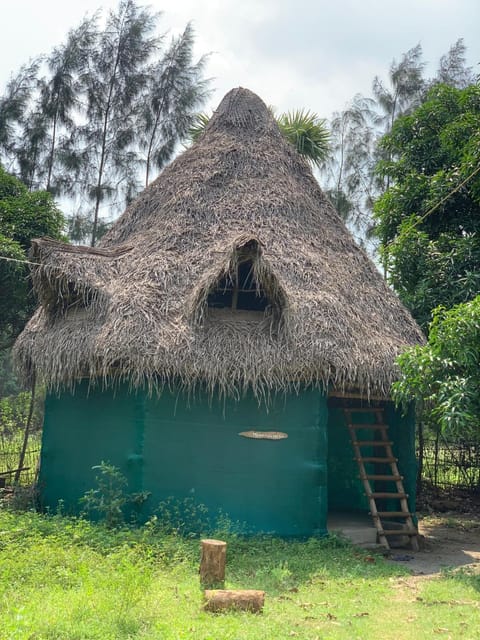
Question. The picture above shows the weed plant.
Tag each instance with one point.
(67, 578)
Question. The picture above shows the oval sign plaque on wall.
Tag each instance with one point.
(264, 435)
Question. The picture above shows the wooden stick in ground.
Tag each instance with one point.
(27, 432)
(241, 599)
(212, 563)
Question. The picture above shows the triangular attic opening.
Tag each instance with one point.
(239, 290)
(245, 285)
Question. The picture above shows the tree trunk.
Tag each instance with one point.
(212, 563)
(52, 153)
(244, 600)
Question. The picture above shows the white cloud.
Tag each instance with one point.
(294, 53)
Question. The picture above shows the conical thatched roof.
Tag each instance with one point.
(137, 307)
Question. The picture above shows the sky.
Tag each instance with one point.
(293, 53)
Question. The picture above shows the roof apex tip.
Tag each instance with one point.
(241, 107)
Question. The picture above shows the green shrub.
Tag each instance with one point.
(110, 499)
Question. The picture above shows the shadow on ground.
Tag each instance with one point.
(450, 541)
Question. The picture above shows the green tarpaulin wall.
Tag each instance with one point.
(180, 447)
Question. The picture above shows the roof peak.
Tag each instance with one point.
(243, 109)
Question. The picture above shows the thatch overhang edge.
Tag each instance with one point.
(343, 326)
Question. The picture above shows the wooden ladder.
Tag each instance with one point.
(383, 455)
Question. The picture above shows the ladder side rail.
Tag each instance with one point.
(410, 525)
(366, 483)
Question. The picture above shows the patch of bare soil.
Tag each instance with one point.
(450, 540)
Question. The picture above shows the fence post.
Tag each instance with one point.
(435, 460)
(421, 453)
(27, 431)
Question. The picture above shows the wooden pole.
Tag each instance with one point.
(212, 563)
(241, 599)
(27, 431)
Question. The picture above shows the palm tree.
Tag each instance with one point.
(308, 134)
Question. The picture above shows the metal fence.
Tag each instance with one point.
(448, 465)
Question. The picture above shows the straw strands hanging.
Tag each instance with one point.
(136, 308)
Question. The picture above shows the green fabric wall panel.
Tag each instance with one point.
(82, 429)
(195, 450)
(345, 491)
(180, 447)
(191, 448)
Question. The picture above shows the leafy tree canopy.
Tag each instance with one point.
(110, 102)
(428, 220)
(23, 215)
(349, 174)
(444, 374)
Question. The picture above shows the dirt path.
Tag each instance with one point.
(449, 542)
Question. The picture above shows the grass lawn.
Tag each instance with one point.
(64, 578)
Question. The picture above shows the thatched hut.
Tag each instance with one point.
(198, 346)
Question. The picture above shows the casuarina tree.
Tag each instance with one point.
(110, 103)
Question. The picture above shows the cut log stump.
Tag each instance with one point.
(212, 563)
(242, 599)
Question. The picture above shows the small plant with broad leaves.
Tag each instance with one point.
(109, 500)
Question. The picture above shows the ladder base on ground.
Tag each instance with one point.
(382, 455)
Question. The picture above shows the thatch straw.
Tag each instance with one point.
(136, 308)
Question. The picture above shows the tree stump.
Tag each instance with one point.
(241, 599)
(212, 563)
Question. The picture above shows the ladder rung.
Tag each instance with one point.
(372, 443)
(398, 532)
(377, 476)
(376, 426)
(379, 430)
(373, 459)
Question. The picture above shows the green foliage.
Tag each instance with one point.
(308, 134)
(183, 517)
(350, 177)
(452, 68)
(109, 499)
(9, 383)
(445, 374)
(14, 411)
(404, 89)
(112, 88)
(50, 124)
(106, 103)
(80, 228)
(173, 93)
(426, 272)
(14, 103)
(198, 126)
(23, 215)
(191, 519)
(428, 221)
